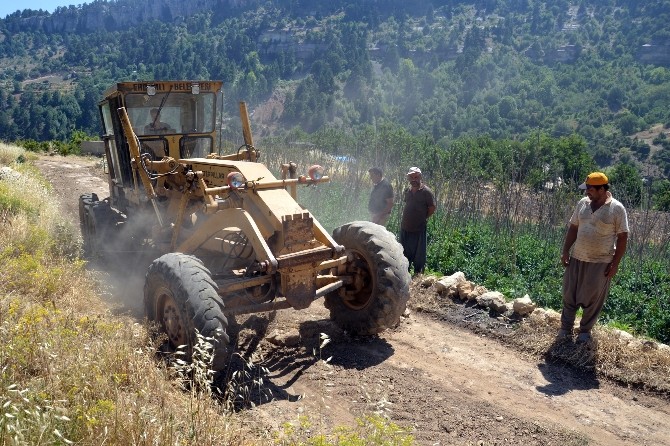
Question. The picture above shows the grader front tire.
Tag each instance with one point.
(378, 295)
(180, 296)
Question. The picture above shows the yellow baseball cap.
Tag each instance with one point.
(594, 179)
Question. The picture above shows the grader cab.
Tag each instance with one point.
(227, 236)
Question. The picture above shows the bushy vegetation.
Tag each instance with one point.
(502, 212)
(526, 262)
(71, 147)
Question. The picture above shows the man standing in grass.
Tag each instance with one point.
(419, 206)
(381, 197)
(598, 234)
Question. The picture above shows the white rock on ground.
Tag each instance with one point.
(7, 173)
(523, 306)
(494, 300)
(447, 284)
(280, 337)
(464, 289)
(549, 317)
(478, 291)
(623, 336)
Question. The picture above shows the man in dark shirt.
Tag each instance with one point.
(419, 206)
(156, 126)
(381, 197)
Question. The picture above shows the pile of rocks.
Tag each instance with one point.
(456, 285)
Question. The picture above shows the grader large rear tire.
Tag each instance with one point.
(378, 295)
(97, 221)
(85, 202)
(180, 296)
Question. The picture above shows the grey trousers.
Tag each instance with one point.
(585, 286)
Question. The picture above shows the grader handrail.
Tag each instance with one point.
(257, 185)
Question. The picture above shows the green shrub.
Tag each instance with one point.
(12, 204)
(371, 430)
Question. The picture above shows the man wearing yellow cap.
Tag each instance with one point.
(598, 234)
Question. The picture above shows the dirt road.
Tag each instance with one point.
(449, 384)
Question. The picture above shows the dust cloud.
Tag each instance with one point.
(121, 265)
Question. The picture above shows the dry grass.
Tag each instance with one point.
(71, 372)
(9, 153)
(612, 354)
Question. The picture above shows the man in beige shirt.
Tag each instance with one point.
(598, 234)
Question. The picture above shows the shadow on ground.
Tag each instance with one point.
(266, 371)
(564, 377)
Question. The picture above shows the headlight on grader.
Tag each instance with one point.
(236, 180)
(315, 172)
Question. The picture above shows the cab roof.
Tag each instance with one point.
(154, 87)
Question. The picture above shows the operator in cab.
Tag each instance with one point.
(156, 126)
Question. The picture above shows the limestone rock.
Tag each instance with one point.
(476, 292)
(494, 300)
(448, 284)
(540, 316)
(623, 336)
(97, 16)
(523, 306)
(464, 289)
(279, 337)
(9, 174)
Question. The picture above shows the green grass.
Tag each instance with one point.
(371, 430)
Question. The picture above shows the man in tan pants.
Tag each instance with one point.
(598, 234)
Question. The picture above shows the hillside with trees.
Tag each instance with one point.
(438, 70)
(505, 105)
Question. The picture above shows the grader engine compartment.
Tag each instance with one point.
(223, 234)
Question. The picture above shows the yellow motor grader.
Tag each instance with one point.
(227, 236)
